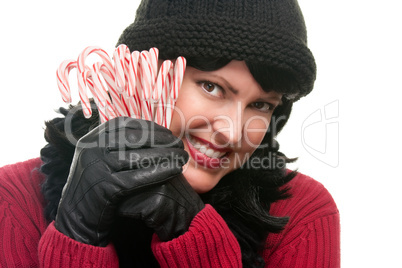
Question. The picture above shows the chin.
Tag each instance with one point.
(201, 183)
(200, 187)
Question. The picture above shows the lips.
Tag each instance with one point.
(205, 153)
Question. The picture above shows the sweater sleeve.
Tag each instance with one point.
(314, 245)
(26, 239)
(58, 250)
(21, 217)
(312, 237)
(208, 243)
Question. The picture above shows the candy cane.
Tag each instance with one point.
(83, 74)
(153, 54)
(97, 50)
(82, 78)
(62, 79)
(101, 92)
(132, 73)
(133, 89)
(166, 98)
(130, 87)
(146, 85)
(161, 88)
(119, 57)
(179, 69)
(120, 109)
(102, 112)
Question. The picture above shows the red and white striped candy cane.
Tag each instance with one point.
(62, 79)
(97, 50)
(154, 54)
(161, 88)
(125, 77)
(102, 114)
(132, 73)
(153, 61)
(179, 69)
(132, 92)
(101, 92)
(83, 73)
(120, 56)
(120, 109)
(82, 78)
(146, 85)
(133, 87)
(165, 94)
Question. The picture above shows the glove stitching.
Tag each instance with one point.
(101, 180)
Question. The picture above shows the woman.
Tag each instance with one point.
(213, 191)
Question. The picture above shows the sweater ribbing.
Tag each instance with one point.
(311, 238)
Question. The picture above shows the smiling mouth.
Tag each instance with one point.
(206, 154)
(206, 148)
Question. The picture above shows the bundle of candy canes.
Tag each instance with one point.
(132, 86)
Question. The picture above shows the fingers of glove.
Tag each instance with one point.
(138, 205)
(143, 158)
(161, 209)
(132, 181)
(122, 122)
(137, 133)
(182, 191)
(99, 192)
(123, 132)
(153, 205)
(89, 169)
(134, 138)
(170, 196)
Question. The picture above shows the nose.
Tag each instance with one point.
(228, 126)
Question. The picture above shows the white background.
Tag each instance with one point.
(354, 148)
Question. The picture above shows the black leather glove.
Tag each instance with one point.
(113, 161)
(167, 208)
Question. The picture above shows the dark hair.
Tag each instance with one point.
(58, 154)
(255, 190)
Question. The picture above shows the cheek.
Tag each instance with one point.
(177, 124)
(182, 110)
(255, 129)
(191, 111)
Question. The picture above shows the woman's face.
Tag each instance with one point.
(221, 117)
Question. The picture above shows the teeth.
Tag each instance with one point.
(203, 149)
(215, 155)
(207, 151)
(197, 145)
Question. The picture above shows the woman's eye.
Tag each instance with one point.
(212, 88)
(262, 106)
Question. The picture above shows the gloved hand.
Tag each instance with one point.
(120, 157)
(167, 208)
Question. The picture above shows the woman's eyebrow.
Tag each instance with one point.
(275, 98)
(227, 84)
(265, 95)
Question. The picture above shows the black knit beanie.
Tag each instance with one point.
(270, 32)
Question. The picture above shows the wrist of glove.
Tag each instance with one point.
(112, 162)
(167, 208)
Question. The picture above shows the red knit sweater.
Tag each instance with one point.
(311, 238)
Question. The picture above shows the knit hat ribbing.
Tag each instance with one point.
(272, 32)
